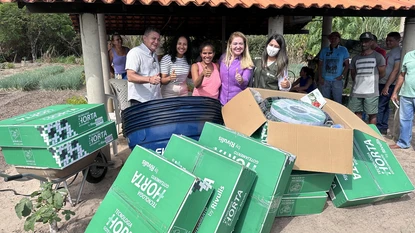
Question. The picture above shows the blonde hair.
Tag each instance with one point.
(246, 61)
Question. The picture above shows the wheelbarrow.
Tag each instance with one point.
(93, 167)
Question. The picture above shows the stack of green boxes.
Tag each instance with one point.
(231, 181)
(151, 195)
(56, 136)
(272, 166)
(306, 193)
(377, 174)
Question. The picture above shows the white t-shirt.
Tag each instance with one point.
(141, 60)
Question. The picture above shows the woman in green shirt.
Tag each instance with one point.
(271, 69)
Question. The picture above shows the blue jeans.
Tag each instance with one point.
(383, 108)
(406, 116)
(332, 90)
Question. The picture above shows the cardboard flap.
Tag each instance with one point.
(243, 113)
(340, 113)
(314, 146)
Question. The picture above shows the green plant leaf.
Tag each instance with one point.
(29, 224)
(46, 212)
(34, 194)
(68, 214)
(46, 194)
(23, 208)
(58, 200)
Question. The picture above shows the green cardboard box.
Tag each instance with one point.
(377, 175)
(232, 182)
(302, 204)
(65, 153)
(51, 125)
(305, 182)
(151, 195)
(273, 168)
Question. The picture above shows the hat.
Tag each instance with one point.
(366, 36)
(334, 34)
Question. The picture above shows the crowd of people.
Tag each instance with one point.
(377, 76)
(151, 78)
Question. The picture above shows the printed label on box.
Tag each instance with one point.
(296, 184)
(29, 157)
(15, 136)
(286, 207)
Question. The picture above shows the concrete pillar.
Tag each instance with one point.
(88, 24)
(276, 25)
(402, 25)
(92, 58)
(102, 31)
(326, 30)
(407, 45)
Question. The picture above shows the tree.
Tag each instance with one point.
(33, 34)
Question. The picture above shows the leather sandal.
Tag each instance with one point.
(395, 146)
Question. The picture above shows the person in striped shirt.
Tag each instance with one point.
(175, 68)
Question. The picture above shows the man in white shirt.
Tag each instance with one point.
(143, 69)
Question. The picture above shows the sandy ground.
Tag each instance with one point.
(388, 216)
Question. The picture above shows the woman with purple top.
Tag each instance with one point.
(235, 67)
(117, 56)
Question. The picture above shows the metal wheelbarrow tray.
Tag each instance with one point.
(93, 167)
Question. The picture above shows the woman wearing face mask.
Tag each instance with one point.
(271, 70)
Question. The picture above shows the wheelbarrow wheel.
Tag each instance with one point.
(97, 173)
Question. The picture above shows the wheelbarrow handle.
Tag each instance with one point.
(14, 177)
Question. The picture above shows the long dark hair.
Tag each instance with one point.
(282, 58)
(173, 49)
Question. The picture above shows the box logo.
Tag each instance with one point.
(376, 156)
(15, 136)
(240, 158)
(118, 223)
(151, 190)
(97, 137)
(29, 157)
(176, 229)
(87, 117)
(296, 185)
(286, 207)
(234, 207)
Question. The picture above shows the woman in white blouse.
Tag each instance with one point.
(175, 68)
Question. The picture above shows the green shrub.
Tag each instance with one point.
(9, 65)
(76, 100)
(72, 59)
(6, 65)
(256, 45)
(29, 80)
(71, 79)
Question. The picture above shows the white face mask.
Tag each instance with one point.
(272, 51)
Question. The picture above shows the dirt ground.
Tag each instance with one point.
(388, 216)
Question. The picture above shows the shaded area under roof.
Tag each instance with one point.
(205, 26)
(205, 18)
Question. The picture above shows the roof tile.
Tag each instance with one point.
(342, 4)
